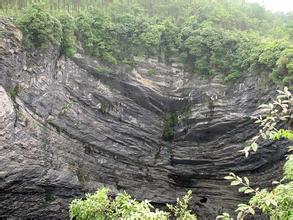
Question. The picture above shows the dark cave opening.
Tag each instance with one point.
(203, 200)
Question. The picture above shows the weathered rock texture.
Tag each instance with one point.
(66, 128)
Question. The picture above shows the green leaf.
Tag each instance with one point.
(232, 174)
(246, 180)
(249, 191)
(242, 189)
(263, 135)
(229, 178)
(246, 153)
(254, 146)
(239, 178)
(251, 210)
(240, 214)
(274, 202)
(268, 202)
(235, 183)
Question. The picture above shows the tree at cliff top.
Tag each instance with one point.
(224, 37)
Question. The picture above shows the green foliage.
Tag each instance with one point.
(13, 92)
(209, 50)
(150, 39)
(126, 30)
(169, 39)
(103, 70)
(101, 206)
(282, 133)
(288, 169)
(152, 72)
(39, 28)
(224, 216)
(268, 53)
(66, 107)
(105, 107)
(278, 110)
(223, 37)
(232, 76)
(283, 72)
(180, 210)
(95, 206)
(171, 120)
(68, 45)
(127, 208)
(278, 203)
(95, 33)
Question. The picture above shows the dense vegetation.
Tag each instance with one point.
(104, 205)
(220, 36)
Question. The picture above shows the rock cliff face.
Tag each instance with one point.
(68, 126)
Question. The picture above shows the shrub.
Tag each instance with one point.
(13, 92)
(232, 76)
(152, 72)
(101, 206)
(171, 120)
(102, 70)
(39, 28)
(283, 73)
(96, 35)
(180, 210)
(68, 45)
(95, 206)
(278, 203)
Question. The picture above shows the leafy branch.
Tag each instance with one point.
(278, 202)
(273, 113)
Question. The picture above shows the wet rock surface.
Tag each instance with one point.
(68, 126)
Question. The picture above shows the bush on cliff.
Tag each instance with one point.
(209, 38)
(102, 206)
(68, 44)
(39, 28)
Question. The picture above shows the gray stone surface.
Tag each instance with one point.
(68, 127)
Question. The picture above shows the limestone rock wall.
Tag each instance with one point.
(68, 126)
